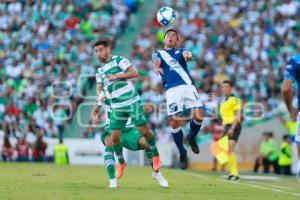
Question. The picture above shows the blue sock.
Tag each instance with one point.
(178, 139)
(194, 129)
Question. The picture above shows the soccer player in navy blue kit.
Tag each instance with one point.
(181, 94)
(292, 74)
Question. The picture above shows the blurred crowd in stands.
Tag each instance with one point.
(45, 46)
(245, 41)
(24, 150)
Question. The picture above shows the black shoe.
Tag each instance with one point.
(183, 164)
(194, 146)
(232, 178)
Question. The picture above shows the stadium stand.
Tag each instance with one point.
(245, 41)
(43, 50)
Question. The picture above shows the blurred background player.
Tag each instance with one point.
(292, 74)
(181, 95)
(231, 114)
(131, 139)
(285, 158)
(113, 77)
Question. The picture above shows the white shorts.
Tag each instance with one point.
(181, 98)
(297, 137)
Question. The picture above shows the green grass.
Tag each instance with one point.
(50, 182)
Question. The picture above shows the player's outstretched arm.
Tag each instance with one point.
(130, 73)
(156, 66)
(187, 55)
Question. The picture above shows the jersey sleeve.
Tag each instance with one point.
(156, 56)
(236, 103)
(290, 72)
(124, 63)
(182, 50)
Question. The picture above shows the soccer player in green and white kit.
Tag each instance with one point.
(131, 139)
(113, 77)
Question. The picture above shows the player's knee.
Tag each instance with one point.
(115, 137)
(198, 115)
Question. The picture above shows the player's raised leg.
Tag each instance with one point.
(177, 134)
(195, 125)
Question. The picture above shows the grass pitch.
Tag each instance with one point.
(50, 182)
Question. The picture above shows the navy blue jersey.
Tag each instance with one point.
(174, 67)
(292, 72)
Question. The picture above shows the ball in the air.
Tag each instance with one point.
(166, 16)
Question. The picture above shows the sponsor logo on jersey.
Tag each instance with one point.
(173, 64)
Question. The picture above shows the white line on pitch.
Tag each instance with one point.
(195, 175)
(265, 188)
(274, 186)
(247, 184)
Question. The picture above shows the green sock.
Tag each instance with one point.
(109, 161)
(118, 148)
(152, 145)
(149, 154)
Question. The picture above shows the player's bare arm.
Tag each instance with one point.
(156, 66)
(100, 93)
(287, 95)
(129, 74)
(95, 114)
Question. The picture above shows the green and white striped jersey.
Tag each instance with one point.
(120, 92)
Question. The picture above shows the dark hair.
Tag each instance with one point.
(286, 137)
(104, 42)
(171, 30)
(270, 134)
(228, 82)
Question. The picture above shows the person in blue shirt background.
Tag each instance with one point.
(181, 95)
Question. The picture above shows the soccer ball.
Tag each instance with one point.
(166, 16)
